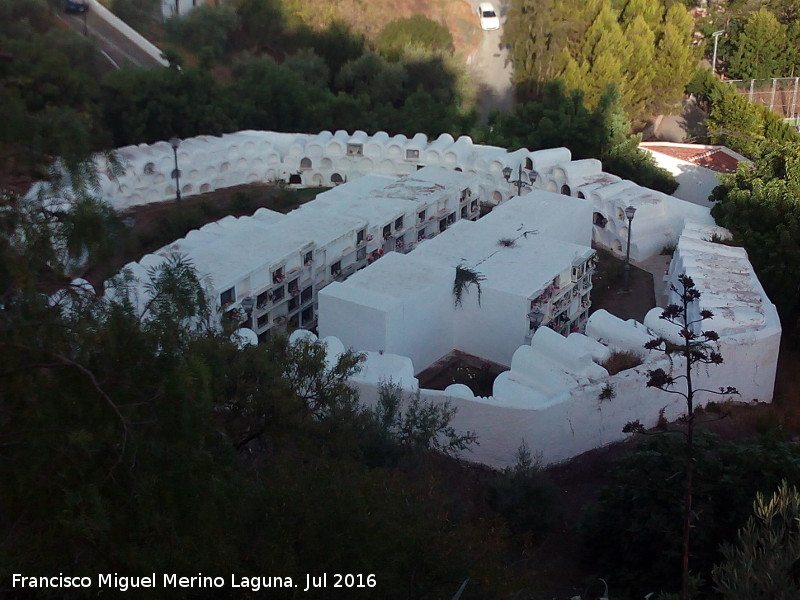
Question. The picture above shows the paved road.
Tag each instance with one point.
(490, 69)
(115, 47)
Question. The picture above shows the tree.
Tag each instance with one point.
(641, 38)
(536, 31)
(695, 349)
(674, 60)
(733, 122)
(787, 11)
(760, 206)
(522, 494)
(643, 49)
(139, 14)
(141, 105)
(49, 79)
(650, 11)
(260, 21)
(760, 48)
(631, 533)
(129, 440)
(763, 563)
(372, 76)
(205, 28)
(272, 96)
(310, 67)
(418, 425)
(606, 51)
(561, 118)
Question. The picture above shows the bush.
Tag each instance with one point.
(139, 14)
(205, 29)
(640, 167)
(621, 361)
(633, 534)
(243, 202)
(522, 496)
(762, 565)
(416, 31)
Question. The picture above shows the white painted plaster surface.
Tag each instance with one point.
(401, 307)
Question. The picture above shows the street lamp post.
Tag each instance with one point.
(519, 182)
(629, 212)
(176, 174)
(715, 35)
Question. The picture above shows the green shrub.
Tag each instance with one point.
(640, 167)
(242, 202)
(523, 496)
(416, 31)
(632, 533)
(206, 29)
(137, 13)
(607, 393)
(762, 565)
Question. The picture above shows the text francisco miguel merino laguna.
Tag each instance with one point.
(124, 583)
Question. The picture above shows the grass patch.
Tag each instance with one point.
(621, 361)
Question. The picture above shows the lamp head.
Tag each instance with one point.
(629, 212)
(174, 141)
(507, 173)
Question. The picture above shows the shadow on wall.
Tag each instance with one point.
(695, 184)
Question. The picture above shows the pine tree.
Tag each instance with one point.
(533, 30)
(638, 94)
(652, 11)
(674, 60)
(760, 48)
(607, 51)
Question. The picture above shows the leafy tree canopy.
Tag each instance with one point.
(642, 46)
(760, 206)
(205, 27)
(562, 118)
(762, 564)
(759, 49)
(630, 532)
(131, 439)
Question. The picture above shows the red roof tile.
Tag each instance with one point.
(710, 157)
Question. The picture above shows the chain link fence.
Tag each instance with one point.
(780, 94)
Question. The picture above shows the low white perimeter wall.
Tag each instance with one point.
(578, 421)
(124, 29)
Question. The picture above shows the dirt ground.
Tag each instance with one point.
(476, 373)
(608, 290)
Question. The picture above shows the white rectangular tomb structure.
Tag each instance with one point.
(527, 257)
